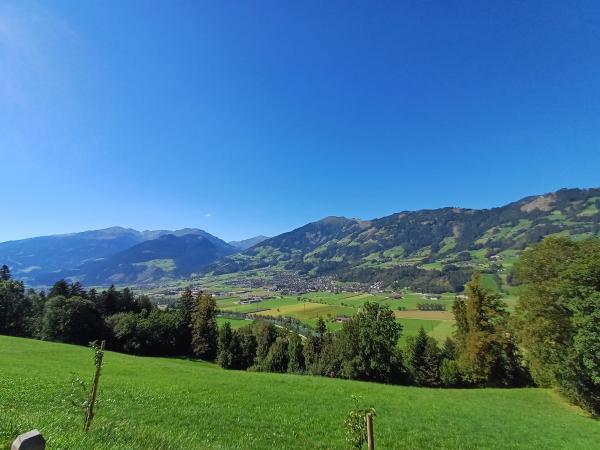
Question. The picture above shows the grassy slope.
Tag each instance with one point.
(169, 403)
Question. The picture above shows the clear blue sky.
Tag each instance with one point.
(256, 117)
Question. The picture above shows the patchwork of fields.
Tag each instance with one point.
(307, 308)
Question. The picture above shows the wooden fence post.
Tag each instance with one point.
(89, 413)
(370, 440)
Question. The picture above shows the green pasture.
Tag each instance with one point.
(161, 403)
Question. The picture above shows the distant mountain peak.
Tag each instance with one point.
(245, 244)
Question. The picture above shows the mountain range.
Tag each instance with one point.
(408, 243)
(116, 255)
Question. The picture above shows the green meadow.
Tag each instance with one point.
(160, 403)
(235, 323)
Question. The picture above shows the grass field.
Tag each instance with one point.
(261, 306)
(235, 323)
(159, 403)
(308, 312)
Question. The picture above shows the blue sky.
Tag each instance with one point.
(247, 118)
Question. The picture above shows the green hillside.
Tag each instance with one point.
(172, 403)
(433, 250)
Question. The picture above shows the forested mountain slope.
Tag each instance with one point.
(445, 238)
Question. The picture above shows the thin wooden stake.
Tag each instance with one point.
(370, 439)
(89, 414)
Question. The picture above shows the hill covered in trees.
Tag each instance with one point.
(444, 244)
(431, 250)
(112, 255)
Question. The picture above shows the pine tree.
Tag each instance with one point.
(186, 305)
(109, 301)
(449, 349)
(277, 358)
(93, 296)
(247, 342)
(423, 359)
(237, 351)
(76, 290)
(483, 336)
(62, 288)
(314, 345)
(321, 327)
(265, 334)
(296, 354)
(225, 357)
(4, 273)
(459, 310)
(204, 328)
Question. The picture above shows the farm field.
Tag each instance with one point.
(255, 307)
(308, 312)
(173, 403)
(235, 323)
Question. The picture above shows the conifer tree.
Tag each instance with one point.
(314, 345)
(225, 357)
(204, 328)
(265, 334)
(61, 287)
(76, 290)
(486, 353)
(4, 273)
(423, 359)
(296, 354)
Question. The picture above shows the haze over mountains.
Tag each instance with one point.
(349, 249)
(115, 255)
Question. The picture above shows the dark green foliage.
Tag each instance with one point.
(114, 301)
(4, 273)
(75, 320)
(313, 347)
(450, 373)
(247, 342)
(558, 317)
(265, 334)
(277, 358)
(60, 288)
(144, 304)
(186, 305)
(296, 354)
(76, 290)
(14, 306)
(422, 358)
(487, 354)
(435, 281)
(204, 328)
(330, 359)
(312, 352)
(149, 333)
(225, 356)
(367, 344)
(449, 349)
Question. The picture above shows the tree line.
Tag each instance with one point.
(552, 340)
